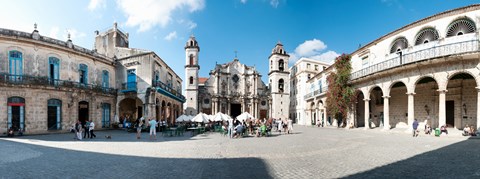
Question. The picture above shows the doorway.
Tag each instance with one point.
(83, 111)
(54, 114)
(235, 110)
(450, 113)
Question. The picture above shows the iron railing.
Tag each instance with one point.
(316, 93)
(419, 54)
(167, 88)
(46, 81)
(129, 87)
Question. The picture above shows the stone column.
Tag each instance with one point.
(386, 113)
(478, 108)
(367, 113)
(441, 107)
(213, 107)
(411, 107)
(228, 107)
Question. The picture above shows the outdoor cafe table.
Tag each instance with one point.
(193, 129)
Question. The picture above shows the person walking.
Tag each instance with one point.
(139, 128)
(86, 133)
(230, 127)
(78, 130)
(90, 128)
(290, 126)
(415, 126)
(153, 132)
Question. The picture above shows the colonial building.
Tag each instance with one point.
(302, 71)
(233, 88)
(48, 84)
(427, 70)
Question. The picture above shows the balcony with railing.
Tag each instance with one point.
(467, 43)
(129, 87)
(316, 93)
(9, 79)
(168, 91)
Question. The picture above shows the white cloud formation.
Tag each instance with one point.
(54, 32)
(243, 1)
(94, 4)
(74, 35)
(191, 25)
(171, 35)
(313, 49)
(310, 47)
(150, 13)
(274, 3)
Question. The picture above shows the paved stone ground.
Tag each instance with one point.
(308, 153)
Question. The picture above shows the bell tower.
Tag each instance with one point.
(191, 76)
(279, 79)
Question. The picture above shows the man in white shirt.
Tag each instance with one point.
(153, 125)
(90, 128)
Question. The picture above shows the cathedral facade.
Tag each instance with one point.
(233, 88)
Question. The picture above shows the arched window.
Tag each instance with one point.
(280, 85)
(426, 35)
(399, 44)
(191, 59)
(83, 74)
(460, 27)
(191, 43)
(280, 65)
(191, 80)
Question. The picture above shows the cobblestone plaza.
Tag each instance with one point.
(308, 153)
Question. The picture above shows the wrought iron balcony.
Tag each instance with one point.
(45, 81)
(316, 93)
(129, 87)
(169, 91)
(451, 46)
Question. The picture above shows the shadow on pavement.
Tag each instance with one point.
(47, 162)
(459, 160)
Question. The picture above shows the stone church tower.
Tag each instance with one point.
(191, 76)
(279, 79)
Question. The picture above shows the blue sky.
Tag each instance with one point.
(319, 29)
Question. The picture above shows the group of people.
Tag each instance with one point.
(237, 128)
(151, 124)
(11, 131)
(467, 130)
(86, 128)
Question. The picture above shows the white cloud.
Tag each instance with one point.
(243, 1)
(274, 3)
(74, 35)
(54, 32)
(313, 49)
(150, 13)
(171, 35)
(94, 4)
(310, 47)
(191, 25)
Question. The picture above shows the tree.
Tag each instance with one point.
(340, 94)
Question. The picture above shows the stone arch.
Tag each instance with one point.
(376, 106)
(460, 72)
(360, 110)
(398, 44)
(419, 79)
(461, 26)
(398, 104)
(426, 35)
(461, 106)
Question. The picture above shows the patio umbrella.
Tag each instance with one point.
(220, 117)
(200, 117)
(244, 116)
(182, 118)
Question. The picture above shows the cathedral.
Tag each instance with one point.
(233, 88)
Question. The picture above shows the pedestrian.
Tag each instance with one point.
(90, 128)
(290, 126)
(230, 127)
(86, 133)
(415, 126)
(153, 133)
(78, 130)
(139, 127)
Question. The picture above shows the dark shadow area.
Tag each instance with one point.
(47, 162)
(459, 160)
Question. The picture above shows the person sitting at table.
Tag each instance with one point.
(472, 131)
(428, 129)
(238, 130)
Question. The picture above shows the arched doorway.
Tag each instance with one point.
(130, 109)
(360, 108)
(312, 114)
(460, 106)
(376, 107)
(83, 111)
(398, 105)
(426, 102)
